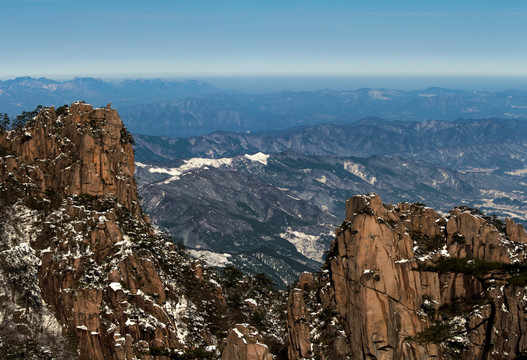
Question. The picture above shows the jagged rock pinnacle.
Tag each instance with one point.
(406, 282)
(79, 150)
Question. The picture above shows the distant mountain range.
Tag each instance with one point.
(25, 93)
(464, 145)
(190, 108)
(266, 191)
(246, 197)
(276, 111)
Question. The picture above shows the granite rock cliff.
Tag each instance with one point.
(71, 171)
(78, 255)
(404, 282)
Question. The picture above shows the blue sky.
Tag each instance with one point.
(56, 38)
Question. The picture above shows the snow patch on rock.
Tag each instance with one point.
(258, 157)
(519, 172)
(189, 165)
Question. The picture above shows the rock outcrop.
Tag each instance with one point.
(80, 151)
(404, 282)
(244, 343)
(72, 224)
(76, 171)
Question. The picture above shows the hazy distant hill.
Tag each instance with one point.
(275, 111)
(25, 93)
(191, 107)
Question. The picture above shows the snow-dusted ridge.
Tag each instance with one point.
(359, 171)
(258, 157)
(197, 163)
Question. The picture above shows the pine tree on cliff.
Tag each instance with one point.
(4, 121)
(25, 117)
(486, 273)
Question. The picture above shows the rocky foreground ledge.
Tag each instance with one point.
(404, 282)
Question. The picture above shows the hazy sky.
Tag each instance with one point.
(56, 38)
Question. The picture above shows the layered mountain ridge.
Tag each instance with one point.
(281, 110)
(213, 206)
(461, 144)
(476, 162)
(289, 187)
(191, 107)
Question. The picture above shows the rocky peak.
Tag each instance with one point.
(71, 169)
(72, 150)
(403, 281)
(363, 204)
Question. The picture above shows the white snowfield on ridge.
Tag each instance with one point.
(196, 163)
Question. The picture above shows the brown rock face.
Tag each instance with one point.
(244, 343)
(108, 279)
(408, 283)
(298, 328)
(82, 151)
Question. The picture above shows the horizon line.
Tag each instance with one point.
(196, 76)
(260, 84)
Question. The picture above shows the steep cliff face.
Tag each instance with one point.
(404, 282)
(72, 174)
(78, 255)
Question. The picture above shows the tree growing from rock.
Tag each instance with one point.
(488, 274)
